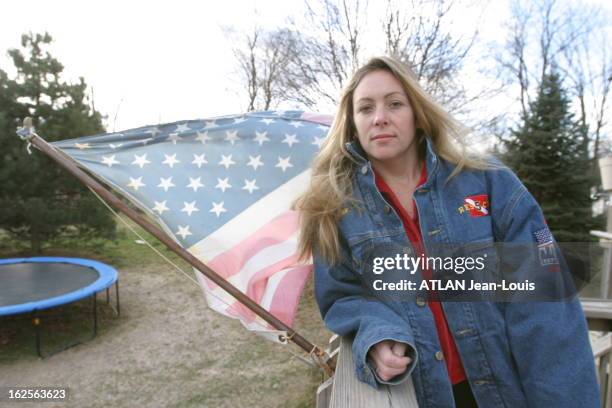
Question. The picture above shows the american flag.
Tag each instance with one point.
(222, 187)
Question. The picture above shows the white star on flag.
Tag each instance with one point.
(140, 160)
(223, 184)
(183, 127)
(318, 141)
(295, 124)
(195, 183)
(210, 125)
(199, 160)
(226, 161)
(115, 146)
(174, 138)
(165, 183)
(284, 163)
(109, 160)
(160, 207)
(217, 208)
(239, 120)
(255, 162)
(136, 183)
(267, 121)
(249, 185)
(290, 139)
(261, 137)
(189, 207)
(203, 137)
(153, 131)
(170, 160)
(183, 231)
(82, 146)
(231, 136)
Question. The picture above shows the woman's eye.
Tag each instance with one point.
(396, 104)
(364, 109)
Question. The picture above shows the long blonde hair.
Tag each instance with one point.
(330, 189)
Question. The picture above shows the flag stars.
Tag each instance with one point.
(195, 183)
(295, 124)
(153, 131)
(189, 208)
(160, 207)
(183, 127)
(199, 160)
(290, 139)
(226, 161)
(231, 137)
(174, 138)
(115, 146)
(318, 141)
(140, 160)
(223, 184)
(165, 183)
(82, 146)
(136, 183)
(170, 160)
(218, 208)
(210, 125)
(261, 137)
(255, 162)
(109, 160)
(267, 121)
(239, 120)
(284, 163)
(183, 231)
(250, 186)
(203, 137)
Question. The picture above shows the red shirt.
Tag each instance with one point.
(413, 231)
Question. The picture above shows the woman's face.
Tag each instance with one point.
(383, 118)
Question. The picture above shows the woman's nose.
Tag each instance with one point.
(380, 118)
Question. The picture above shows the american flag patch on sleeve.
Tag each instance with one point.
(543, 236)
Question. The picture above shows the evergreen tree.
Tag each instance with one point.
(549, 153)
(39, 200)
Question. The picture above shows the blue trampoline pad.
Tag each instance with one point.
(29, 284)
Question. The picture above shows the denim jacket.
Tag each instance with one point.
(529, 354)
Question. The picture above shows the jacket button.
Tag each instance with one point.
(420, 302)
(439, 356)
(364, 170)
(387, 209)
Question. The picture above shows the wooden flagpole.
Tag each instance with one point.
(318, 355)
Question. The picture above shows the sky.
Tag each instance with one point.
(157, 62)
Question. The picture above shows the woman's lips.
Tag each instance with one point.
(382, 136)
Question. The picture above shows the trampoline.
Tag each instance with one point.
(28, 285)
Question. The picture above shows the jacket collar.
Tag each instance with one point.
(431, 158)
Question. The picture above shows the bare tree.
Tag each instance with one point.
(422, 41)
(309, 63)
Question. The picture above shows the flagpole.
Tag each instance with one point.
(27, 133)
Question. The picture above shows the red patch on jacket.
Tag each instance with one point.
(477, 205)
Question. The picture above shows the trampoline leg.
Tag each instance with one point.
(117, 295)
(36, 323)
(95, 314)
(107, 297)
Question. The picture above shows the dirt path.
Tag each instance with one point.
(169, 350)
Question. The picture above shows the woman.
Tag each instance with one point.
(390, 173)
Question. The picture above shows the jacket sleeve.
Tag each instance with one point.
(346, 310)
(548, 340)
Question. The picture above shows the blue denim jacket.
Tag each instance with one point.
(531, 354)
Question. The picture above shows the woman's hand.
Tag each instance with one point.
(389, 358)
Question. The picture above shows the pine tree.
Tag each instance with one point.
(40, 201)
(549, 153)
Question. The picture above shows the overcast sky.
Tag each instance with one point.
(154, 62)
